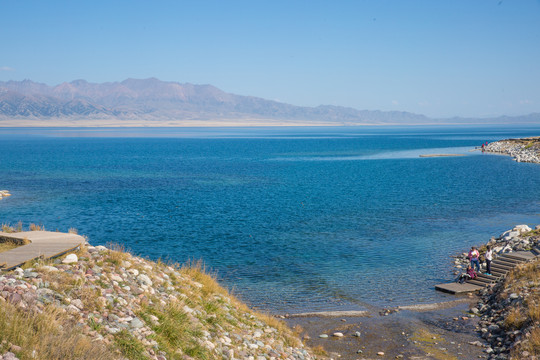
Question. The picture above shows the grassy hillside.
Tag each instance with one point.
(109, 304)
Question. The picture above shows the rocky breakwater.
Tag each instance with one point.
(522, 150)
(4, 193)
(509, 310)
(100, 303)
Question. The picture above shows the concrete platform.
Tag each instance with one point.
(457, 288)
(44, 244)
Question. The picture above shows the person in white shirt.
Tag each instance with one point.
(489, 257)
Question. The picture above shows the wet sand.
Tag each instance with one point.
(442, 331)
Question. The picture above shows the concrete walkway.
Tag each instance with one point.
(44, 244)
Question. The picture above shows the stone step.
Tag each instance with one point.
(517, 256)
(505, 263)
(482, 280)
(508, 259)
(498, 272)
(498, 265)
(486, 278)
(476, 282)
(491, 278)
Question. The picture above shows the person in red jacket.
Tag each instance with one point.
(470, 274)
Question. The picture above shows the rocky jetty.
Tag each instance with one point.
(4, 193)
(522, 150)
(123, 306)
(509, 311)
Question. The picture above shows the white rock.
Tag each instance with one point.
(49, 268)
(153, 319)
(72, 309)
(337, 334)
(121, 301)
(144, 280)
(522, 229)
(101, 248)
(78, 303)
(209, 345)
(115, 277)
(71, 258)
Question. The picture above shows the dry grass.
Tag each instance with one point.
(44, 333)
(319, 350)
(8, 228)
(117, 254)
(197, 271)
(525, 279)
(8, 245)
(534, 342)
(515, 319)
(175, 333)
(34, 227)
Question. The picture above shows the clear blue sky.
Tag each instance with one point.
(439, 58)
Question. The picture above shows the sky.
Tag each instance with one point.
(449, 58)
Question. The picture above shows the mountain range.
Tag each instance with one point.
(155, 102)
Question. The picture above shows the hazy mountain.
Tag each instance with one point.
(155, 100)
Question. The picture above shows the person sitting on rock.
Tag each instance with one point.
(470, 274)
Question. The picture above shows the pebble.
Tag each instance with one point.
(337, 334)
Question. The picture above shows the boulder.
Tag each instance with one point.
(522, 229)
(71, 258)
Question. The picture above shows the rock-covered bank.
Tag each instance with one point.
(100, 303)
(509, 311)
(522, 150)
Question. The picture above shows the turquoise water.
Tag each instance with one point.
(290, 219)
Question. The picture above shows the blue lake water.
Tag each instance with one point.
(290, 219)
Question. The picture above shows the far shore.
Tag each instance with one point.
(145, 123)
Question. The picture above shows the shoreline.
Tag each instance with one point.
(453, 329)
(255, 122)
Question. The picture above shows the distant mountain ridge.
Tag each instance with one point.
(155, 100)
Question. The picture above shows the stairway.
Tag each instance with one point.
(500, 266)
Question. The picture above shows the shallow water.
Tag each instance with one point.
(292, 219)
